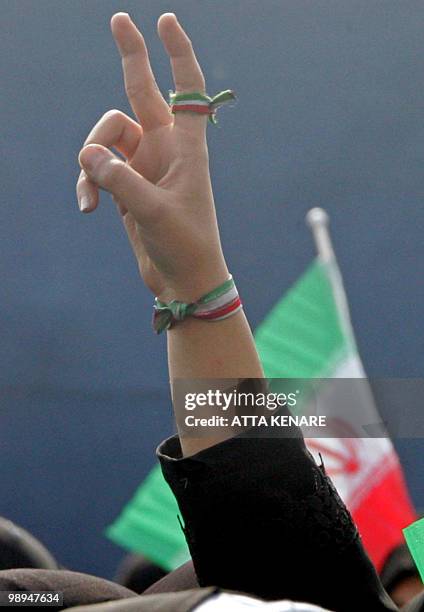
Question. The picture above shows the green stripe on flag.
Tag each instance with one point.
(301, 337)
(149, 525)
(414, 536)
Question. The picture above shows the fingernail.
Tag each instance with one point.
(84, 204)
(90, 157)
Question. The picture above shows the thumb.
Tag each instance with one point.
(127, 186)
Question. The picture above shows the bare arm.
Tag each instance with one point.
(165, 198)
(200, 350)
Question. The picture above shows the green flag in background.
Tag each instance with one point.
(302, 337)
(414, 536)
(148, 524)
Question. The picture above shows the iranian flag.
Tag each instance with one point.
(308, 335)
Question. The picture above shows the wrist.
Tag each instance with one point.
(196, 283)
(219, 303)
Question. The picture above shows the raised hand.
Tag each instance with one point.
(162, 187)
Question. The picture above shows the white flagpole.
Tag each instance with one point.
(318, 221)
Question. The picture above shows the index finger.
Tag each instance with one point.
(143, 93)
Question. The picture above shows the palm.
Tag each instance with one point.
(154, 153)
(152, 160)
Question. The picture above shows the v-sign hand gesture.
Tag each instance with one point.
(163, 187)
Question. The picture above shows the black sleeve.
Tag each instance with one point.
(262, 518)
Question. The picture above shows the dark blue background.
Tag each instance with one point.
(330, 113)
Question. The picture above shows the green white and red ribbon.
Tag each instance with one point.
(197, 102)
(218, 304)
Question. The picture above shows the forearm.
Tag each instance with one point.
(210, 350)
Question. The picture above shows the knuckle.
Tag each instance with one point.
(108, 120)
(112, 115)
(114, 173)
(133, 90)
(193, 82)
(139, 89)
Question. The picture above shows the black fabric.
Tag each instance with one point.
(18, 549)
(186, 601)
(262, 518)
(77, 588)
(138, 573)
(181, 579)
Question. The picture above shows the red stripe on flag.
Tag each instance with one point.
(382, 514)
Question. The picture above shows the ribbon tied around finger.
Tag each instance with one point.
(197, 102)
